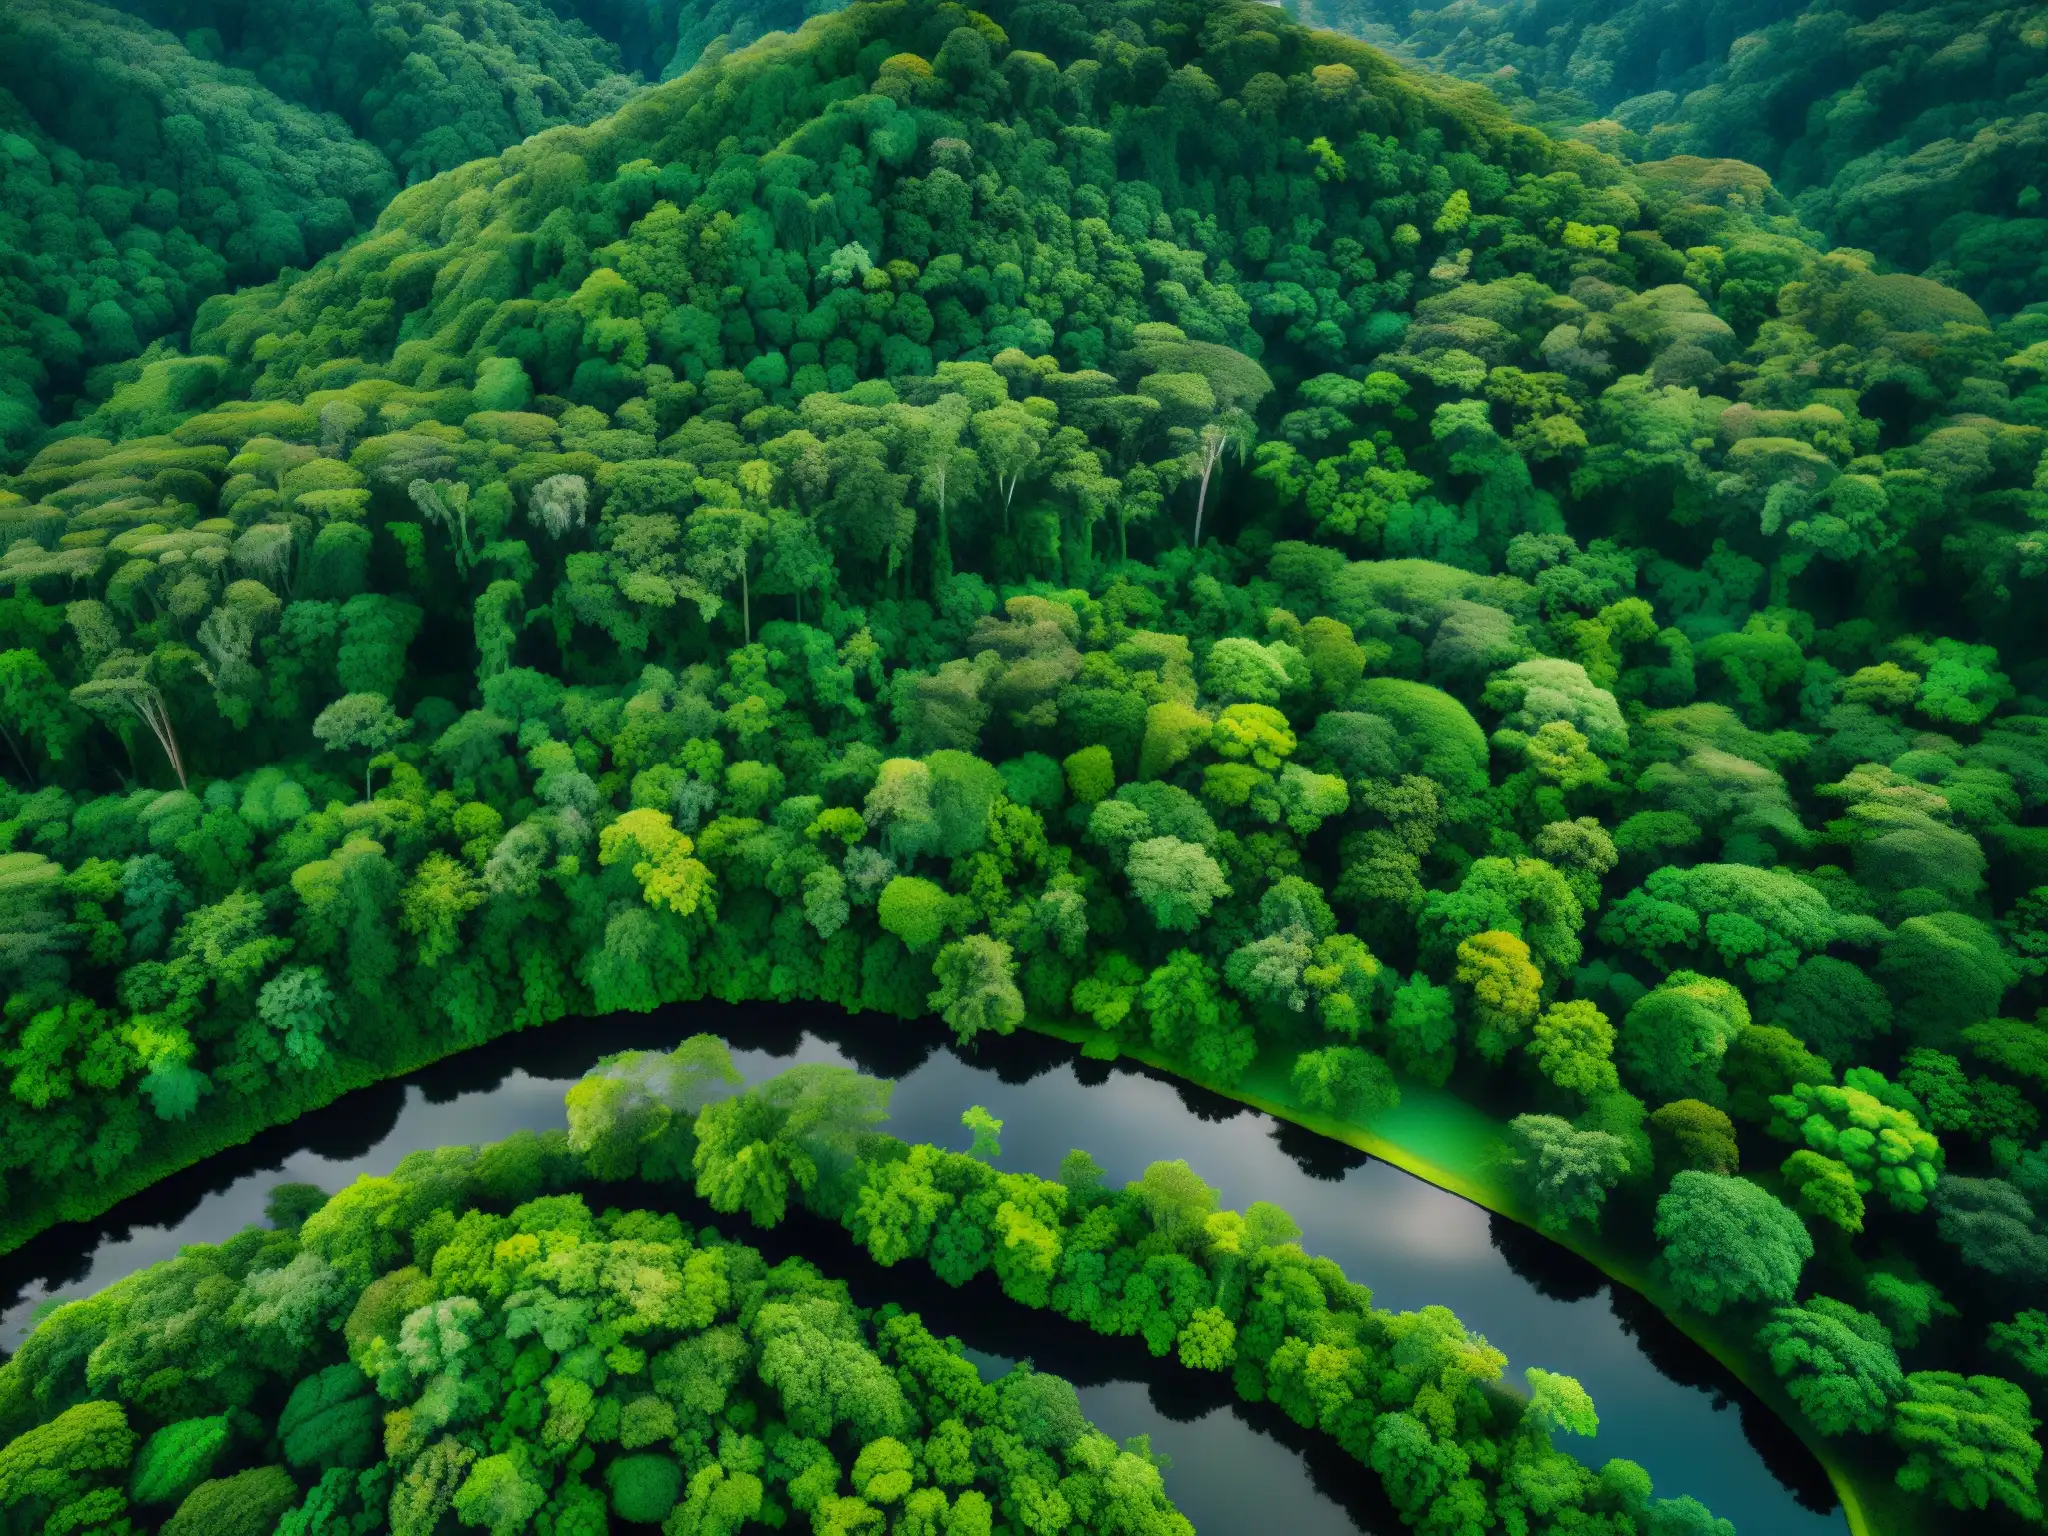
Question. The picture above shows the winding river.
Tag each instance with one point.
(1662, 1401)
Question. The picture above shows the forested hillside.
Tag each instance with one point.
(428, 91)
(1912, 131)
(1137, 516)
(145, 169)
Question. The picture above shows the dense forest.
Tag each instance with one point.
(1137, 518)
(146, 170)
(460, 1346)
(1912, 131)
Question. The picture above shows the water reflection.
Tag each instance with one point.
(1662, 1400)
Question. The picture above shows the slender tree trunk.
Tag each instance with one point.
(1211, 453)
(15, 747)
(158, 719)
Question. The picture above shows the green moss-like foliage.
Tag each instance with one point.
(330, 1420)
(176, 1459)
(644, 1488)
(247, 1504)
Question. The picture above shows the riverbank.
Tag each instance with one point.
(1433, 1136)
(1455, 1145)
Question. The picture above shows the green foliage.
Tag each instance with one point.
(885, 323)
(1673, 1039)
(1837, 1363)
(329, 1421)
(977, 988)
(247, 1504)
(644, 1487)
(1573, 1045)
(1994, 1227)
(1216, 1289)
(1968, 1442)
(1690, 1134)
(1880, 1143)
(1567, 1172)
(697, 1387)
(1345, 1081)
(177, 1458)
(1824, 1187)
(1728, 1242)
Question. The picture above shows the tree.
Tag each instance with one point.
(718, 544)
(1882, 1144)
(1567, 1172)
(330, 1420)
(793, 559)
(1673, 1039)
(1951, 972)
(942, 469)
(1177, 881)
(658, 855)
(446, 504)
(126, 686)
(1009, 439)
(1835, 1007)
(1728, 1242)
(361, 722)
(632, 1112)
(498, 1498)
(1191, 1017)
(301, 1007)
(1837, 1363)
(1969, 1442)
(1504, 988)
(977, 988)
(1345, 1081)
(33, 717)
(987, 1130)
(247, 1504)
(915, 910)
(1824, 1188)
(1995, 1228)
(177, 1458)
(2025, 1340)
(1690, 1134)
(1422, 1030)
(1573, 1046)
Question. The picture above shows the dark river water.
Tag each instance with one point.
(1662, 1401)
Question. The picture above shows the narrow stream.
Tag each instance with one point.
(1662, 1401)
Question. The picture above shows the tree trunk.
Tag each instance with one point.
(1211, 452)
(15, 748)
(157, 718)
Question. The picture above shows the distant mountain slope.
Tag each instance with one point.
(429, 90)
(1916, 131)
(135, 180)
(142, 173)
